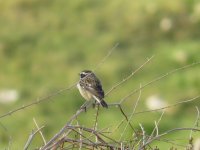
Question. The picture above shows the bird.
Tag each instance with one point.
(90, 87)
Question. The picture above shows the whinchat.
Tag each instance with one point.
(90, 87)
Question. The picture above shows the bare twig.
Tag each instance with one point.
(93, 131)
(92, 145)
(73, 128)
(156, 126)
(158, 79)
(66, 127)
(4, 127)
(118, 125)
(33, 133)
(143, 135)
(96, 117)
(108, 55)
(82, 109)
(167, 132)
(39, 131)
(163, 108)
(196, 121)
(80, 136)
(171, 142)
(169, 106)
(96, 120)
(39, 100)
(134, 108)
(123, 113)
(129, 76)
(97, 134)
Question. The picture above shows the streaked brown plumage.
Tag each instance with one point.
(90, 87)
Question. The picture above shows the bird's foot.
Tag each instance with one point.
(84, 108)
(93, 105)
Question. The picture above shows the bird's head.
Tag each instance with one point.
(85, 73)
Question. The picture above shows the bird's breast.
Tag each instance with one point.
(87, 95)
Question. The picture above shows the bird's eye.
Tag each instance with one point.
(83, 75)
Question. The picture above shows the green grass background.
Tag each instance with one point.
(44, 44)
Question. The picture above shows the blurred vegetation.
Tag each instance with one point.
(44, 44)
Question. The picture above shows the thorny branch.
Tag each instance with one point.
(157, 79)
(167, 132)
(33, 133)
(82, 109)
(68, 128)
(53, 140)
(196, 121)
(134, 108)
(169, 106)
(39, 100)
(106, 57)
(40, 131)
(162, 108)
(129, 76)
(86, 140)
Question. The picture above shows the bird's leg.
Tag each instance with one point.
(84, 106)
(94, 104)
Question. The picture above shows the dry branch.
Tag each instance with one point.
(158, 79)
(146, 142)
(39, 100)
(106, 57)
(129, 76)
(167, 132)
(32, 135)
(62, 136)
(40, 131)
(56, 136)
(169, 106)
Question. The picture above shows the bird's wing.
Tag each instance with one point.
(94, 88)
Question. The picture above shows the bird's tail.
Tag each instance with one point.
(103, 103)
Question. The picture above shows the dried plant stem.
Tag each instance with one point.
(125, 116)
(129, 76)
(32, 135)
(169, 106)
(167, 132)
(134, 108)
(101, 139)
(39, 100)
(96, 120)
(40, 131)
(196, 121)
(157, 79)
(156, 126)
(106, 57)
(143, 135)
(56, 136)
